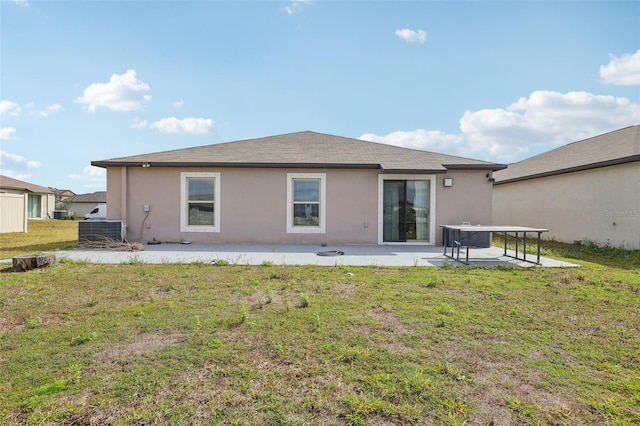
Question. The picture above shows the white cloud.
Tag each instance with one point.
(623, 70)
(21, 2)
(412, 36)
(138, 123)
(51, 108)
(26, 177)
(296, 6)
(191, 125)
(542, 121)
(122, 93)
(6, 133)
(11, 161)
(94, 172)
(91, 173)
(426, 140)
(10, 108)
(178, 103)
(92, 177)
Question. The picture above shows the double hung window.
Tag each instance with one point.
(306, 203)
(200, 199)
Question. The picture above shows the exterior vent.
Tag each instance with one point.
(102, 230)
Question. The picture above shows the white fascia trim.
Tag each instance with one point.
(432, 206)
(321, 229)
(184, 207)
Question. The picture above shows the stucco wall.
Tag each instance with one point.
(599, 205)
(115, 188)
(468, 200)
(253, 204)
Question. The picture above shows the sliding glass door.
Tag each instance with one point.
(405, 210)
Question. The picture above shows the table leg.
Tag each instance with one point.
(505, 243)
(467, 247)
(444, 239)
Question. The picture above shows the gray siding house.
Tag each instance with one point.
(297, 188)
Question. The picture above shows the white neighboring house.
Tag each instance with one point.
(20, 201)
(584, 191)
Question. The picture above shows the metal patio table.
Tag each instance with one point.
(454, 236)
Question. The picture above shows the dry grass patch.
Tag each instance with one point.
(503, 394)
(139, 345)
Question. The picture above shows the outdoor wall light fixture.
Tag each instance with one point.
(447, 182)
(490, 178)
(146, 165)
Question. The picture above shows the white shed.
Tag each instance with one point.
(20, 201)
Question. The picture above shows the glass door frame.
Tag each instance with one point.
(432, 206)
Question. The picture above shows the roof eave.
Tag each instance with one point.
(250, 165)
(16, 188)
(489, 166)
(584, 167)
(253, 165)
(29, 190)
(415, 171)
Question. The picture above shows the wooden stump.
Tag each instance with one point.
(26, 262)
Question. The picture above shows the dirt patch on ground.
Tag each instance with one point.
(279, 298)
(393, 329)
(500, 395)
(390, 322)
(344, 289)
(21, 322)
(140, 344)
(12, 324)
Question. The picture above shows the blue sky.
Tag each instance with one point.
(498, 81)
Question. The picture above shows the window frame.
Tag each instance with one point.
(322, 208)
(184, 202)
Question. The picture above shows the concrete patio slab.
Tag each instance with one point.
(347, 255)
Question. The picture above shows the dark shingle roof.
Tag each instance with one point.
(11, 183)
(304, 149)
(94, 197)
(617, 147)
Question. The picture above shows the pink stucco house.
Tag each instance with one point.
(297, 188)
(588, 190)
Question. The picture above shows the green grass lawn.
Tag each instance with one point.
(42, 235)
(204, 344)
